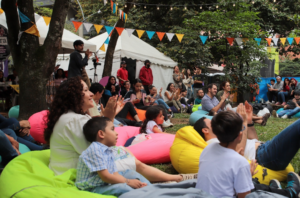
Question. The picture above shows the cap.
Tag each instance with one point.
(123, 62)
(278, 77)
(147, 61)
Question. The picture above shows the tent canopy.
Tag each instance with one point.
(67, 39)
(134, 48)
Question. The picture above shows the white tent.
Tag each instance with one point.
(67, 39)
(134, 48)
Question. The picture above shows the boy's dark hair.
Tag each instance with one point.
(227, 125)
(199, 125)
(96, 87)
(77, 42)
(91, 128)
(272, 80)
(297, 92)
(210, 86)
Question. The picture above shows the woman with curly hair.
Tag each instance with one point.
(64, 132)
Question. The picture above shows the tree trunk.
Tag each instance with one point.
(112, 44)
(34, 63)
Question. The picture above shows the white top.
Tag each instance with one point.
(150, 125)
(249, 152)
(67, 142)
(166, 98)
(223, 172)
(94, 110)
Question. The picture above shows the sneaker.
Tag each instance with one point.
(278, 103)
(293, 184)
(284, 103)
(189, 176)
(284, 116)
(169, 122)
(268, 102)
(274, 183)
(166, 125)
(273, 102)
(274, 114)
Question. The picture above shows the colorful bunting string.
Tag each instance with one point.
(275, 40)
(161, 35)
(98, 28)
(23, 17)
(109, 29)
(140, 33)
(119, 30)
(239, 41)
(258, 40)
(129, 31)
(283, 40)
(47, 20)
(297, 39)
(230, 40)
(150, 34)
(203, 39)
(76, 24)
(87, 26)
(179, 37)
(170, 36)
(107, 41)
(1, 11)
(33, 30)
(102, 48)
(290, 40)
(269, 40)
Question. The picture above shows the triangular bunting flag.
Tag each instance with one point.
(23, 17)
(119, 30)
(283, 40)
(107, 41)
(150, 34)
(37, 17)
(269, 40)
(102, 48)
(140, 33)
(258, 40)
(111, 5)
(203, 39)
(275, 40)
(121, 14)
(114, 8)
(297, 39)
(245, 40)
(109, 29)
(104, 2)
(129, 31)
(230, 40)
(290, 40)
(87, 26)
(126, 17)
(33, 30)
(1, 11)
(111, 33)
(47, 20)
(77, 24)
(239, 41)
(98, 28)
(160, 35)
(179, 37)
(170, 36)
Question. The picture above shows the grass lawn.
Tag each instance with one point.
(273, 127)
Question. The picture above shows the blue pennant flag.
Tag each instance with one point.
(23, 17)
(150, 34)
(290, 40)
(107, 41)
(203, 39)
(114, 8)
(258, 40)
(109, 29)
(124, 16)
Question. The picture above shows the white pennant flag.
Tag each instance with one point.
(239, 41)
(129, 31)
(170, 36)
(120, 11)
(275, 40)
(105, 2)
(87, 26)
(37, 17)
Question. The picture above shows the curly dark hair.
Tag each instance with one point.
(68, 97)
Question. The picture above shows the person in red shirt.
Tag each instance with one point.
(146, 76)
(122, 74)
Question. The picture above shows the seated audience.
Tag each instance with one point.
(200, 95)
(273, 91)
(9, 148)
(293, 87)
(126, 89)
(225, 88)
(111, 89)
(122, 74)
(284, 92)
(172, 98)
(188, 81)
(184, 100)
(198, 81)
(13, 77)
(158, 99)
(96, 170)
(234, 177)
(64, 132)
(270, 87)
(178, 77)
(291, 108)
(59, 77)
(5, 92)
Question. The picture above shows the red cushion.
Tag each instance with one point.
(38, 124)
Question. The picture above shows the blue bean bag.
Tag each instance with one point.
(295, 116)
(197, 115)
(14, 112)
(22, 149)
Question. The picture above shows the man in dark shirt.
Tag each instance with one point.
(198, 81)
(292, 107)
(13, 77)
(77, 64)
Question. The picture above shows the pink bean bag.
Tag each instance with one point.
(38, 124)
(152, 151)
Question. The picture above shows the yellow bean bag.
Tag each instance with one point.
(28, 176)
(188, 146)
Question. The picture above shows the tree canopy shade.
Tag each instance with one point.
(34, 63)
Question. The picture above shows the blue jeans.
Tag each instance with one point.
(281, 96)
(7, 152)
(121, 188)
(277, 153)
(162, 102)
(189, 93)
(289, 112)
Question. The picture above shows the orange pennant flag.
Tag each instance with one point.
(140, 33)
(119, 30)
(269, 40)
(76, 24)
(160, 35)
(33, 30)
(112, 5)
(230, 40)
(1, 11)
(297, 39)
(98, 28)
(102, 48)
(47, 20)
(283, 40)
(179, 37)
(245, 40)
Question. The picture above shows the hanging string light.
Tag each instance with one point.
(252, 2)
(185, 8)
(134, 5)
(171, 8)
(274, 1)
(157, 7)
(233, 4)
(145, 7)
(200, 7)
(125, 6)
(217, 7)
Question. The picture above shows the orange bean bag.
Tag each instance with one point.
(141, 114)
